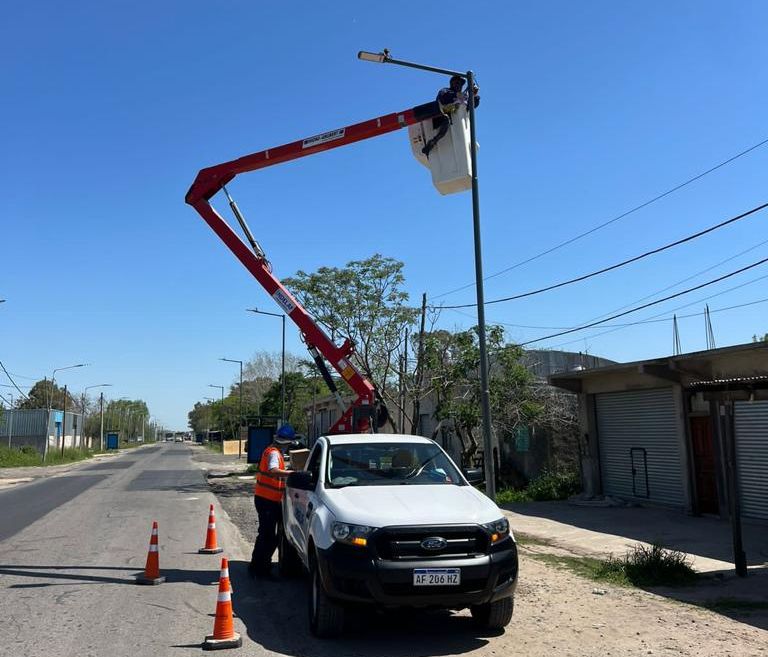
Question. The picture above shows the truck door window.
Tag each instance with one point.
(313, 464)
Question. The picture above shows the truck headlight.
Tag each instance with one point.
(351, 534)
(498, 529)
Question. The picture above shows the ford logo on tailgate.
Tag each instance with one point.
(434, 543)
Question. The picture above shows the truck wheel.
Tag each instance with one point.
(326, 618)
(494, 615)
(288, 561)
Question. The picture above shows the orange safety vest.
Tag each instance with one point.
(268, 486)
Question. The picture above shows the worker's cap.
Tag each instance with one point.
(457, 78)
(285, 434)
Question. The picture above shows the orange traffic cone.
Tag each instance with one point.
(211, 546)
(152, 569)
(224, 635)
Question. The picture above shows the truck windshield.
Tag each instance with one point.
(386, 464)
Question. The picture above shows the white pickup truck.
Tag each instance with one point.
(390, 521)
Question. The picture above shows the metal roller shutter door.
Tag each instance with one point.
(751, 429)
(640, 425)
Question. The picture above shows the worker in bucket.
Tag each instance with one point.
(450, 99)
(268, 498)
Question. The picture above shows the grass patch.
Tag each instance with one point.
(642, 566)
(28, 456)
(550, 485)
(214, 446)
(527, 539)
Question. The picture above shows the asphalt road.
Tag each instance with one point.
(70, 546)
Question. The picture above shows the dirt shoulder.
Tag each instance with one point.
(557, 612)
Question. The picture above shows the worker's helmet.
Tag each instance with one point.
(285, 435)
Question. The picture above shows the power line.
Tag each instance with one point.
(653, 317)
(649, 304)
(610, 221)
(12, 381)
(641, 299)
(617, 265)
(681, 281)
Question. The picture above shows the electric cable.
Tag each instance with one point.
(609, 222)
(668, 317)
(12, 381)
(649, 304)
(617, 265)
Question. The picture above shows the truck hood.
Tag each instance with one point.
(383, 506)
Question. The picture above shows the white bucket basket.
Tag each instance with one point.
(449, 161)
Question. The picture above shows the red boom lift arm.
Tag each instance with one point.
(209, 181)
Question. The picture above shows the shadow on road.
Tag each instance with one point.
(172, 575)
(275, 617)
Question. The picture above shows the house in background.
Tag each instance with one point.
(678, 431)
(520, 457)
(39, 428)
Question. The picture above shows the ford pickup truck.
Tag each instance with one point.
(390, 521)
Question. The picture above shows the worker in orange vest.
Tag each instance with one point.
(268, 498)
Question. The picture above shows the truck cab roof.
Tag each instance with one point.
(357, 438)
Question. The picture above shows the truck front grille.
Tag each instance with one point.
(403, 543)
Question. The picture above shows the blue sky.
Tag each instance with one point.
(588, 109)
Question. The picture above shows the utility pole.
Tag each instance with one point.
(64, 422)
(101, 421)
(239, 441)
(416, 423)
(384, 57)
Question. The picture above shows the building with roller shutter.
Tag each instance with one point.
(688, 431)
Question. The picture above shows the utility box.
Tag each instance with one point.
(258, 440)
(450, 161)
(113, 440)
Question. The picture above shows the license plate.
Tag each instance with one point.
(436, 576)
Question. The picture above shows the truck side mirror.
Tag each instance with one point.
(474, 476)
(301, 480)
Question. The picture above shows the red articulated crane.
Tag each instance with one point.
(367, 412)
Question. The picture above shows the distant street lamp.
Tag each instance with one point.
(239, 442)
(101, 412)
(383, 57)
(50, 405)
(211, 385)
(282, 376)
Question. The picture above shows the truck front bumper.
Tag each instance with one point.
(353, 575)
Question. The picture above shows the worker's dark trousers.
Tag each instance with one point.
(270, 514)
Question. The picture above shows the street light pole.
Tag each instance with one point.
(239, 441)
(485, 399)
(101, 412)
(282, 367)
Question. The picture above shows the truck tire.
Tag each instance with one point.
(326, 617)
(494, 615)
(288, 561)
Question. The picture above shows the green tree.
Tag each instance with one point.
(757, 338)
(365, 302)
(298, 395)
(452, 365)
(42, 394)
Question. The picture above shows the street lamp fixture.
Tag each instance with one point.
(53, 379)
(376, 57)
(282, 368)
(485, 397)
(239, 442)
(211, 385)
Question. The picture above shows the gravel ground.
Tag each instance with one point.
(556, 613)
